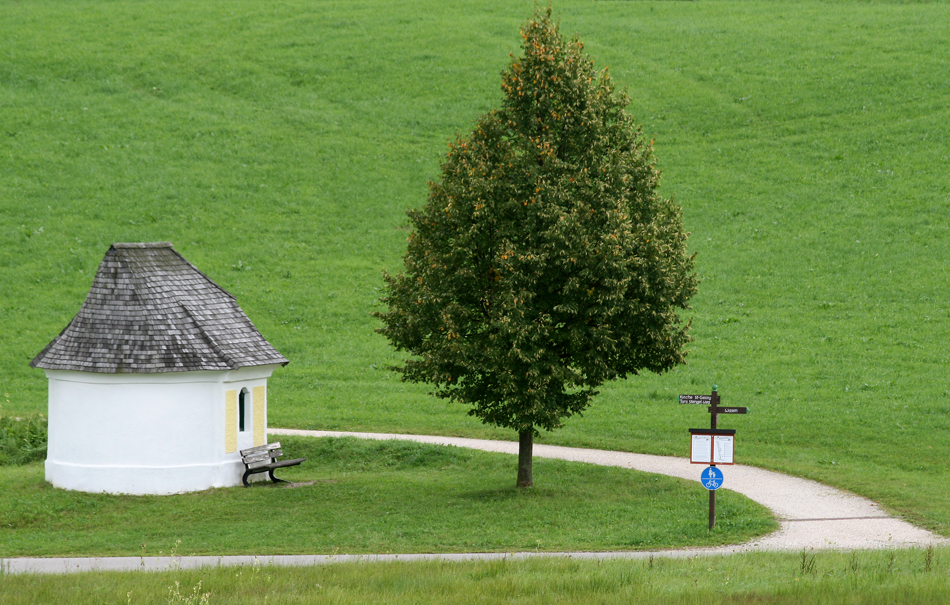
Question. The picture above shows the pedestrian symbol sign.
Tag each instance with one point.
(711, 478)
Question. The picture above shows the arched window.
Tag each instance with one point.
(242, 409)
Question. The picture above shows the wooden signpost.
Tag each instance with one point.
(712, 446)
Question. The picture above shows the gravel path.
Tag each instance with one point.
(812, 516)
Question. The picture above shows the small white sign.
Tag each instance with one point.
(724, 445)
(701, 449)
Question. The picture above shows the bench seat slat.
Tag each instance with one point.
(283, 463)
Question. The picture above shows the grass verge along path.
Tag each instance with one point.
(813, 516)
(354, 496)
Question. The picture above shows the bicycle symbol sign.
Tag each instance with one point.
(711, 478)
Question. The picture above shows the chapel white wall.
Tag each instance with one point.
(147, 433)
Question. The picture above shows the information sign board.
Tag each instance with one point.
(724, 446)
(700, 449)
(712, 446)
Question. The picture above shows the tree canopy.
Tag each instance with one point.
(545, 262)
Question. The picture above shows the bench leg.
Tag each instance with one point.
(275, 479)
(269, 472)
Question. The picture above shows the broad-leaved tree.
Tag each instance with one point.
(545, 262)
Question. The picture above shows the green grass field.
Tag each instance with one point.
(357, 497)
(277, 145)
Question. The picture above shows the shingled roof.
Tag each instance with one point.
(150, 310)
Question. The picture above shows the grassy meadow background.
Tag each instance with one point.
(278, 144)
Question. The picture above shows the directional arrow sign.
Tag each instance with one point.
(720, 410)
(696, 399)
(711, 478)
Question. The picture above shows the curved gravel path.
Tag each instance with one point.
(812, 516)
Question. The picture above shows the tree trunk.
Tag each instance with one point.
(525, 447)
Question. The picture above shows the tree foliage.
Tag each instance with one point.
(545, 262)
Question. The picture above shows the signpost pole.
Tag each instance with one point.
(713, 418)
(714, 408)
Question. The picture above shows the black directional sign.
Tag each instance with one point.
(720, 410)
(696, 399)
(713, 402)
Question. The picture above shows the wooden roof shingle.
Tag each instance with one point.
(149, 310)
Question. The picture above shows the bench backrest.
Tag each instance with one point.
(261, 453)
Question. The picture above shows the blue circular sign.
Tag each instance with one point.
(711, 478)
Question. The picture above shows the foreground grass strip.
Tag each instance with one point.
(885, 577)
(354, 497)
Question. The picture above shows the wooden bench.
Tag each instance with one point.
(263, 459)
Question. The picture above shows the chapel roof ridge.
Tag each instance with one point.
(142, 245)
